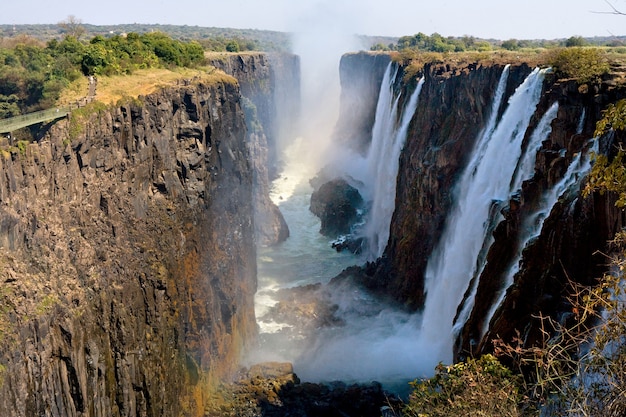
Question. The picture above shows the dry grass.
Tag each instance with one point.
(74, 92)
(140, 83)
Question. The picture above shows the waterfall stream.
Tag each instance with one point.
(383, 159)
(485, 181)
(374, 340)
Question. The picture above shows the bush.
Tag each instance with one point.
(584, 64)
(477, 387)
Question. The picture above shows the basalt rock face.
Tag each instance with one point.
(270, 89)
(360, 75)
(573, 236)
(128, 259)
(452, 110)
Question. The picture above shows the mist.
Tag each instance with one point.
(321, 35)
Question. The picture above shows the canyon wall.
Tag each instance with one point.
(270, 88)
(128, 257)
(573, 243)
(453, 108)
(360, 75)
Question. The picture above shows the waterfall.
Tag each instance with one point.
(578, 168)
(486, 180)
(524, 171)
(383, 159)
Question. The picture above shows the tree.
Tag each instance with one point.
(511, 45)
(575, 41)
(232, 46)
(72, 27)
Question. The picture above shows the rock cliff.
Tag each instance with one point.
(574, 236)
(270, 88)
(453, 106)
(127, 257)
(360, 75)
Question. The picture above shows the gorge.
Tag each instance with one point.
(132, 234)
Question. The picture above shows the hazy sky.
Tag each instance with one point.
(501, 19)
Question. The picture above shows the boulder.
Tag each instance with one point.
(338, 205)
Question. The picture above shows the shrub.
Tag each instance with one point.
(584, 64)
(476, 387)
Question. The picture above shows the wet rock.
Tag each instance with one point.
(350, 243)
(338, 205)
(272, 389)
(304, 307)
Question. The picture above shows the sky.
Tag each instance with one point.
(492, 19)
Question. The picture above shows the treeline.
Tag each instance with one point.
(439, 43)
(33, 74)
(211, 38)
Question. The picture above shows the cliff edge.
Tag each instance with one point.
(127, 257)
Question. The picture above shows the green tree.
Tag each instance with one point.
(575, 41)
(584, 64)
(511, 45)
(232, 46)
(476, 387)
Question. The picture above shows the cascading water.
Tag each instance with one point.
(376, 341)
(486, 179)
(578, 168)
(372, 342)
(524, 170)
(383, 159)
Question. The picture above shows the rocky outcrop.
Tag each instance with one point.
(127, 256)
(270, 88)
(337, 204)
(273, 389)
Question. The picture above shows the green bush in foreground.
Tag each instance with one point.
(478, 387)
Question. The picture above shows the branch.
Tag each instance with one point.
(614, 11)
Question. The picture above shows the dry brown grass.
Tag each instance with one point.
(140, 83)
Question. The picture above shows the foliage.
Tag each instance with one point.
(476, 387)
(211, 38)
(232, 46)
(32, 75)
(575, 41)
(610, 176)
(435, 43)
(584, 64)
(579, 369)
(614, 117)
(511, 45)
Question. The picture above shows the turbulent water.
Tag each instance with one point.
(371, 340)
(368, 340)
(306, 257)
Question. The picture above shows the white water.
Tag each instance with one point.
(524, 171)
(372, 343)
(377, 342)
(306, 257)
(578, 169)
(486, 180)
(383, 159)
